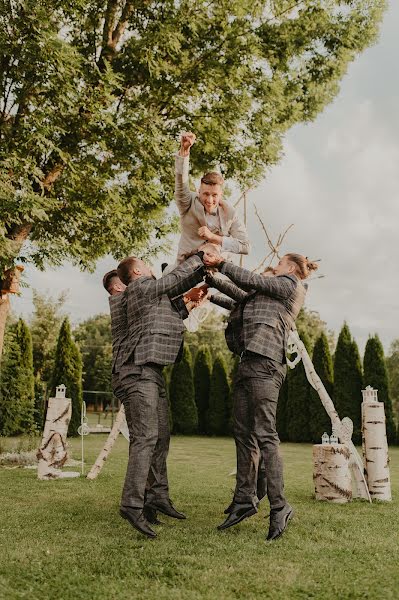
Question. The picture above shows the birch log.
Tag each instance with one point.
(375, 449)
(119, 423)
(331, 474)
(52, 454)
(340, 428)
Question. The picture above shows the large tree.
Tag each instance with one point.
(375, 374)
(348, 381)
(392, 362)
(94, 340)
(93, 93)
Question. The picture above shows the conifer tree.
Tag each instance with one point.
(16, 385)
(348, 381)
(298, 401)
(68, 370)
(319, 421)
(202, 382)
(181, 391)
(219, 413)
(27, 399)
(375, 374)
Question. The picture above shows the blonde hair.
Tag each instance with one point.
(303, 266)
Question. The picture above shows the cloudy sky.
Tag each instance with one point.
(339, 184)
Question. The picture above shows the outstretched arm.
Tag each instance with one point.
(280, 287)
(183, 194)
(226, 287)
(180, 280)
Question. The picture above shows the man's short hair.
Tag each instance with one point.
(124, 269)
(212, 178)
(108, 278)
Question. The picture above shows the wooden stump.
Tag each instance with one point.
(375, 450)
(52, 454)
(331, 474)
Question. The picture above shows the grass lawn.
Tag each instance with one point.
(64, 540)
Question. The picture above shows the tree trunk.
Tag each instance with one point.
(52, 454)
(119, 423)
(375, 450)
(331, 474)
(4, 310)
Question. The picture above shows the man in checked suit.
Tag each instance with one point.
(268, 312)
(155, 339)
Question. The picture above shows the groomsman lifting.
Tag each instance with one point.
(267, 312)
(155, 339)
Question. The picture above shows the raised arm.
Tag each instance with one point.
(180, 280)
(183, 194)
(226, 287)
(280, 287)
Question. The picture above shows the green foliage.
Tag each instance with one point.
(202, 382)
(375, 374)
(348, 381)
(94, 340)
(309, 322)
(40, 403)
(44, 326)
(68, 370)
(319, 421)
(17, 382)
(297, 410)
(181, 391)
(219, 413)
(92, 95)
(210, 333)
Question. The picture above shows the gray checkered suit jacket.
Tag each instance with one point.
(155, 325)
(119, 329)
(268, 312)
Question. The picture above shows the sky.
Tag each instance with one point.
(338, 182)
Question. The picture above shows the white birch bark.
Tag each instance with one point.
(119, 424)
(375, 450)
(341, 429)
(52, 454)
(331, 473)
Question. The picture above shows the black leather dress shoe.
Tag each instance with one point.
(238, 512)
(151, 516)
(166, 508)
(137, 519)
(229, 509)
(279, 519)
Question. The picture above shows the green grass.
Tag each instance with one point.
(64, 540)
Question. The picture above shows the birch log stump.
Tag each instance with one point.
(331, 474)
(375, 446)
(119, 423)
(52, 454)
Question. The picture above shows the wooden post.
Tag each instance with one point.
(375, 446)
(331, 474)
(52, 454)
(119, 423)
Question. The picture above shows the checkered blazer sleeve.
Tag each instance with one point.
(180, 280)
(226, 287)
(223, 301)
(280, 287)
